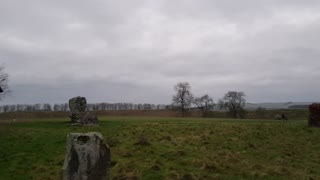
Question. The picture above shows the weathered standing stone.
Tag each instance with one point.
(314, 115)
(79, 113)
(78, 106)
(87, 157)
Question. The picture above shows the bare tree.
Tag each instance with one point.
(4, 87)
(183, 98)
(234, 102)
(204, 104)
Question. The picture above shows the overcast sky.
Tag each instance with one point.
(136, 50)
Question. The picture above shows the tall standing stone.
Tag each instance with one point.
(87, 157)
(79, 113)
(314, 115)
(78, 107)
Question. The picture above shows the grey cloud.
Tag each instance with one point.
(137, 50)
(95, 91)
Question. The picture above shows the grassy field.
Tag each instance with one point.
(179, 148)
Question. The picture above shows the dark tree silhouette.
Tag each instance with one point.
(204, 104)
(183, 98)
(234, 102)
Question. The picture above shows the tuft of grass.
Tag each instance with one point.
(143, 141)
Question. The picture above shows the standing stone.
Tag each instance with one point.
(314, 115)
(87, 157)
(79, 113)
(78, 106)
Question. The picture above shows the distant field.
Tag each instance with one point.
(293, 114)
(180, 148)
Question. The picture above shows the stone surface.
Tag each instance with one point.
(90, 118)
(79, 114)
(314, 115)
(78, 107)
(87, 157)
(78, 104)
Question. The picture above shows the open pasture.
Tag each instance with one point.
(168, 148)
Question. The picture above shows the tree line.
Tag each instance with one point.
(92, 106)
(184, 101)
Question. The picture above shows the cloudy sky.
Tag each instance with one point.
(137, 50)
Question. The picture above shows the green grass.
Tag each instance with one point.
(180, 148)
